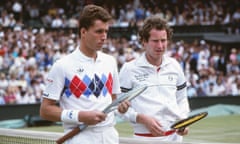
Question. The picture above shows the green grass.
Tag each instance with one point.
(225, 129)
(221, 129)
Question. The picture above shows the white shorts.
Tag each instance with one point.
(97, 135)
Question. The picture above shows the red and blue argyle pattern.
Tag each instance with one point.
(86, 86)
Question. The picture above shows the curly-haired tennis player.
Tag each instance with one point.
(165, 101)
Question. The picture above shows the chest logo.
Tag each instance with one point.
(80, 70)
(141, 77)
(170, 78)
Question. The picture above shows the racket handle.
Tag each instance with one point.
(71, 134)
(181, 129)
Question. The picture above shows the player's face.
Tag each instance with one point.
(95, 36)
(156, 45)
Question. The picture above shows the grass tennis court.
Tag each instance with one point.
(218, 129)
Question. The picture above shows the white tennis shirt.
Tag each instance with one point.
(165, 98)
(80, 83)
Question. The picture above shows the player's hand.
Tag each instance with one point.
(91, 117)
(183, 132)
(151, 124)
(123, 106)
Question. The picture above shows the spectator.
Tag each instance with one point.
(3, 81)
(72, 22)
(211, 90)
(57, 22)
(233, 55)
(2, 100)
(34, 11)
(4, 19)
(17, 9)
(220, 86)
(11, 94)
(191, 90)
(233, 87)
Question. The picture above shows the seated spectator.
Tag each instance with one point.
(220, 87)
(191, 91)
(10, 96)
(57, 22)
(72, 22)
(2, 100)
(3, 81)
(235, 87)
(27, 97)
(211, 90)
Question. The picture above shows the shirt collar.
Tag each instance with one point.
(83, 57)
(142, 61)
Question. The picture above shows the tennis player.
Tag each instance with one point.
(165, 101)
(84, 83)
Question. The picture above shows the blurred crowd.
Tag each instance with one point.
(26, 54)
(64, 13)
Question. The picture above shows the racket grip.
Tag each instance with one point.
(181, 129)
(71, 134)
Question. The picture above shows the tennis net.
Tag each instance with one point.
(17, 136)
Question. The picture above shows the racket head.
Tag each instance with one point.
(125, 96)
(189, 120)
(136, 92)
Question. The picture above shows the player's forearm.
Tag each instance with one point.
(130, 115)
(141, 118)
(50, 112)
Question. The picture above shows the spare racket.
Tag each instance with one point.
(182, 124)
(113, 106)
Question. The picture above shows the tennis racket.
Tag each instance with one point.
(182, 124)
(113, 106)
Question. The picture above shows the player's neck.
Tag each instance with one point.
(88, 52)
(154, 61)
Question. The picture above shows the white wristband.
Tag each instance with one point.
(69, 116)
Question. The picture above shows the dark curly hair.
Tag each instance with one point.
(154, 22)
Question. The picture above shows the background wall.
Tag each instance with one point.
(21, 111)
